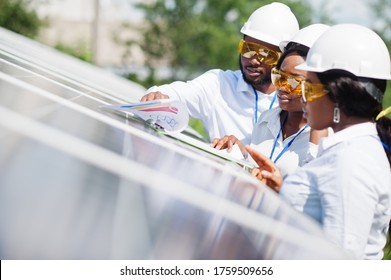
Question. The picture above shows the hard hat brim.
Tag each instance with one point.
(305, 67)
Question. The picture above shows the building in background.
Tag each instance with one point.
(92, 24)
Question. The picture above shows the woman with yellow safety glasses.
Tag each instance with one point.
(347, 187)
(282, 133)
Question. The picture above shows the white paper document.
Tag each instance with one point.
(166, 114)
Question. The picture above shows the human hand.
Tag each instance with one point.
(267, 172)
(154, 96)
(227, 142)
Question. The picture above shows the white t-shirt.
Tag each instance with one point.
(223, 101)
(347, 189)
(266, 135)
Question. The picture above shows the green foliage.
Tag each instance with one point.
(148, 81)
(387, 248)
(387, 255)
(192, 36)
(81, 51)
(381, 10)
(197, 125)
(387, 96)
(20, 17)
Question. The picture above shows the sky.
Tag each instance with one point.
(347, 11)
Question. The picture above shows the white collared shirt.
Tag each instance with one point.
(347, 188)
(265, 136)
(222, 100)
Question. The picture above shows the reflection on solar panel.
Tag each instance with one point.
(78, 182)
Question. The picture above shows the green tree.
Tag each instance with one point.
(79, 50)
(191, 36)
(381, 10)
(19, 16)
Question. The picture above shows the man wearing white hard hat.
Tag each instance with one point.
(230, 102)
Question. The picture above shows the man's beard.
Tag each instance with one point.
(265, 81)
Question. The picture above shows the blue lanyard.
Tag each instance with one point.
(287, 145)
(256, 105)
(385, 146)
(274, 99)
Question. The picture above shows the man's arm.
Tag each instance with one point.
(153, 96)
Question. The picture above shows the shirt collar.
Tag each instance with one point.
(272, 120)
(272, 115)
(354, 131)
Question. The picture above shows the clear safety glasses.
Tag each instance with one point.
(312, 91)
(264, 54)
(291, 84)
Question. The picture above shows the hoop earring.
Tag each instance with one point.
(337, 114)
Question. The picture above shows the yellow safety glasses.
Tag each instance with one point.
(264, 54)
(291, 84)
(312, 91)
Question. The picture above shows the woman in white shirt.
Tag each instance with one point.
(347, 188)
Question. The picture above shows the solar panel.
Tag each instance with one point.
(79, 182)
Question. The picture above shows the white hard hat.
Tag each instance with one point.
(306, 36)
(271, 23)
(350, 47)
